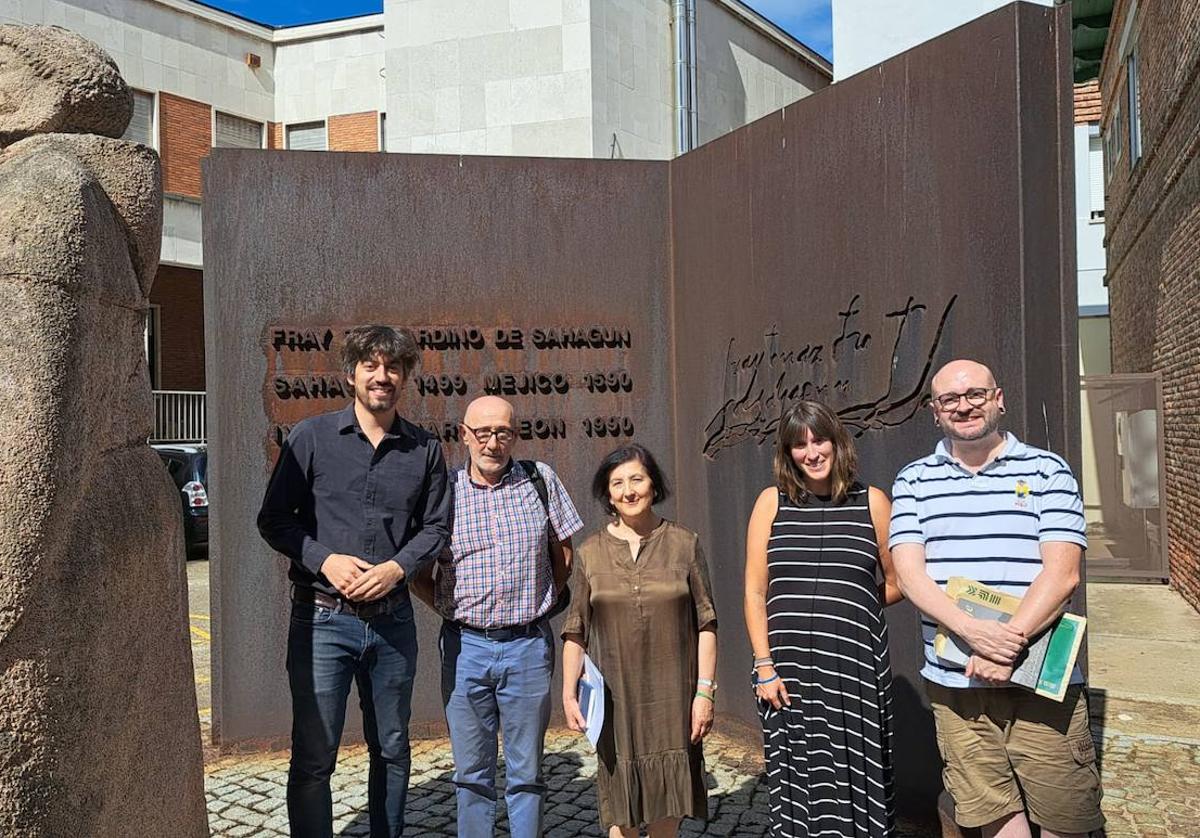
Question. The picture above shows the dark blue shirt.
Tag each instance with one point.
(332, 492)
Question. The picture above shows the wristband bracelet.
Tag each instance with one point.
(763, 662)
(700, 694)
(705, 682)
(759, 683)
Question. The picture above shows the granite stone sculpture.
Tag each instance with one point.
(98, 727)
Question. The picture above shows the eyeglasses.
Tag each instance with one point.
(482, 435)
(976, 397)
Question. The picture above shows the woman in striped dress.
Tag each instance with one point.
(816, 546)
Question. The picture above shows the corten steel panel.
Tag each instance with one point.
(300, 246)
(846, 247)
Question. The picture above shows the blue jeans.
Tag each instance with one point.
(490, 686)
(326, 651)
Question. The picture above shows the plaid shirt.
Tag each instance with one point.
(497, 571)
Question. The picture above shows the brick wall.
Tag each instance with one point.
(185, 138)
(354, 131)
(274, 135)
(179, 293)
(1153, 248)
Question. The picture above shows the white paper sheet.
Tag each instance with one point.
(591, 699)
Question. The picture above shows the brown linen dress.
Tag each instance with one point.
(639, 621)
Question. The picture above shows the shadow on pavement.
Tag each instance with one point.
(570, 805)
(1097, 700)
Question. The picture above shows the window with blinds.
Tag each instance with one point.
(236, 132)
(383, 132)
(1096, 173)
(306, 136)
(141, 126)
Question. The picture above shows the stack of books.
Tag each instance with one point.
(1044, 666)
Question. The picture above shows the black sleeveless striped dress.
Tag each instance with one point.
(828, 755)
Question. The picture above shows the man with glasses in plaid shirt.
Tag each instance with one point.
(510, 556)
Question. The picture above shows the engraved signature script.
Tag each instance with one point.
(760, 386)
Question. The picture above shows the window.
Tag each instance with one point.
(1095, 172)
(306, 136)
(1132, 87)
(141, 126)
(235, 132)
(1114, 145)
(383, 132)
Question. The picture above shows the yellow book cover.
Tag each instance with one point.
(978, 601)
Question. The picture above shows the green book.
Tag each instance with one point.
(1063, 648)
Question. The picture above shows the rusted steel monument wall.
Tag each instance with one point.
(846, 247)
(842, 249)
(545, 281)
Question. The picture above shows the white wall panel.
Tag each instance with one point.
(338, 74)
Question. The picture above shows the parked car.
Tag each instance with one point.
(188, 466)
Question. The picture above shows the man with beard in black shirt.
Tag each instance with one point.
(358, 502)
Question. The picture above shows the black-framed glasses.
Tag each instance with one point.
(976, 397)
(483, 435)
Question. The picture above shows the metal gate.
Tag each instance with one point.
(1124, 492)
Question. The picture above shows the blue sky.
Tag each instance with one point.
(807, 20)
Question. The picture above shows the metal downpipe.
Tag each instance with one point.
(683, 28)
(693, 95)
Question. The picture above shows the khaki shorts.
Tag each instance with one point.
(999, 742)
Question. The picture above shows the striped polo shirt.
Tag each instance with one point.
(986, 526)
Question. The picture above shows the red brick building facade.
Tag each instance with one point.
(1151, 130)
(354, 132)
(1087, 102)
(184, 137)
(178, 298)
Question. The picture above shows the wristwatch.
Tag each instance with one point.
(706, 682)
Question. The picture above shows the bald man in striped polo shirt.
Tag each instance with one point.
(988, 507)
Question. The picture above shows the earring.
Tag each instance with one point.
(1001, 411)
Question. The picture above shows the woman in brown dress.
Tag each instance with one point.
(643, 610)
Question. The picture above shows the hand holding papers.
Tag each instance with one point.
(591, 699)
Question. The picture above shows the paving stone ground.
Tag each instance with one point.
(1152, 788)
(1151, 785)
(246, 795)
(1149, 752)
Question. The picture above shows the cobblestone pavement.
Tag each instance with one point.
(1151, 785)
(1152, 788)
(1150, 762)
(246, 795)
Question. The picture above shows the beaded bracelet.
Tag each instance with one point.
(704, 695)
(759, 683)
